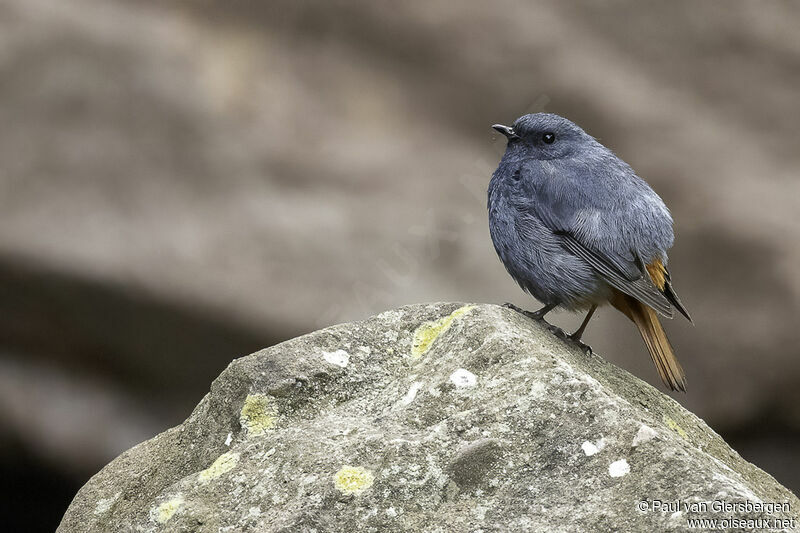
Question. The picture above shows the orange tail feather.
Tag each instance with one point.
(655, 338)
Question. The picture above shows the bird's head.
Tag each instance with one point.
(544, 136)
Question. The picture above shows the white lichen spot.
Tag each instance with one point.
(619, 468)
(390, 512)
(410, 395)
(427, 333)
(645, 433)
(228, 439)
(339, 358)
(463, 378)
(167, 510)
(254, 512)
(105, 504)
(224, 464)
(353, 479)
(258, 414)
(589, 449)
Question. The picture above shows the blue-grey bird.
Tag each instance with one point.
(577, 228)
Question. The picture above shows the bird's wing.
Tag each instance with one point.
(623, 273)
(641, 287)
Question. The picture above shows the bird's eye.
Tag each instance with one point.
(548, 137)
(517, 175)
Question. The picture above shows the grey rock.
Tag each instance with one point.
(439, 417)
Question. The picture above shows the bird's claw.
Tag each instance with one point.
(585, 348)
(558, 332)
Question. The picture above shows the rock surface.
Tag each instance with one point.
(440, 417)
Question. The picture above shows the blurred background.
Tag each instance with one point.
(183, 183)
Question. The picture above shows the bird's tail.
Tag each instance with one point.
(655, 338)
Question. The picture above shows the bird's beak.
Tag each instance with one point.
(506, 130)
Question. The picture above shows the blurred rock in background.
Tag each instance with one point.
(184, 183)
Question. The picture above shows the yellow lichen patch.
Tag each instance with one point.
(224, 463)
(426, 334)
(258, 414)
(166, 510)
(353, 479)
(671, 424)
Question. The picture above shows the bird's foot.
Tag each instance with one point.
(533, 315)
(585, 348)
(571, 339)
(538, 316)
(558, 332)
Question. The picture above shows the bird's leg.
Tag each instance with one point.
(579, 332)
(539, 315)
(576, 337)
(535, 315)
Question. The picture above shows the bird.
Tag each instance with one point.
(576, 228)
